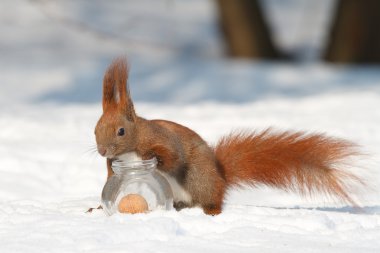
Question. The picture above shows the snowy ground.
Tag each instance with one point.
(50, 101)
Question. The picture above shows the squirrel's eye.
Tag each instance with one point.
(121, 132)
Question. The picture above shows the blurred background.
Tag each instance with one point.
(212, 65)
(186, 51)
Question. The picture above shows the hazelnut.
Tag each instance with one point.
(133, 203)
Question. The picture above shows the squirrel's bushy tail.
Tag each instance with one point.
(292, 161)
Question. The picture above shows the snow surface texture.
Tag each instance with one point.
(53, 58)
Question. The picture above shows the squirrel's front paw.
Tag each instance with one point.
(148, 155)
(91, 209)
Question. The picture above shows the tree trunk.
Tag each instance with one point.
(355, 33)
(245, 29)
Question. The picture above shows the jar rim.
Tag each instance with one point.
(119, 166)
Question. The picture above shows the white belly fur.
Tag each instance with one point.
(130, 157)
(179, 193)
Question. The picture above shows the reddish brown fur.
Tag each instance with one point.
(306, 163)
(186, 150)
(290, 161)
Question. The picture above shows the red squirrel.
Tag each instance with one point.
(200, 174)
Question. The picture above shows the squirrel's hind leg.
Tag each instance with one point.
(212, 209)
(205, 183)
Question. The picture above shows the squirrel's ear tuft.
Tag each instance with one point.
(115, 88)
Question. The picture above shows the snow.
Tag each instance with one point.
(50, 91)
(63, 228)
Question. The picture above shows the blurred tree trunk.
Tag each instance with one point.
(245, 29)
(355, 32)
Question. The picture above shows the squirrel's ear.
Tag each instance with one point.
(115, 89)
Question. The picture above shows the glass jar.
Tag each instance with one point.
(137, 177)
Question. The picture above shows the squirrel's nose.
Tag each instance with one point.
(102, 151)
